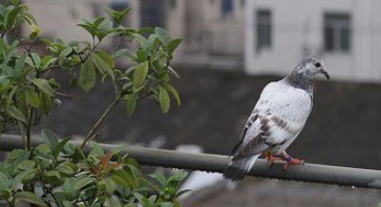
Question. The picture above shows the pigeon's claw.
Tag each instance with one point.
(292, 161)
(271, 159)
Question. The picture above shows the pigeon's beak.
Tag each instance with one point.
(324, 72)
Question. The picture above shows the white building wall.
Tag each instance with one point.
(58, 18)
(298, 24)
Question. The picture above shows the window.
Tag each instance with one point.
(264, 29)
(227, 7)
(337, 32)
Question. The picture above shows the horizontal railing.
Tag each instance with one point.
(342, 176)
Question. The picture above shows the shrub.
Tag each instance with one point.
(59, 173)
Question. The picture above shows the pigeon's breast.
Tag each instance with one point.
(285, 110)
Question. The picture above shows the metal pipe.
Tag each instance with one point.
(342, 176)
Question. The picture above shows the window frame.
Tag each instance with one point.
(341, 24)
(261, 25)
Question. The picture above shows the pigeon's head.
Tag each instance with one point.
(303, 75)
(310, 66)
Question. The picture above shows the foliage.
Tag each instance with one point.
(59, 173)
(28, 92)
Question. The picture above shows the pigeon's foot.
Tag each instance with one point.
(291, 161)
(271, 159)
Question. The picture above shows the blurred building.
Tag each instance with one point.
(347, 34)
(213, 30)
(58, 18)
(264, 37)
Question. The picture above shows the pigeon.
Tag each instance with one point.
(277, 119)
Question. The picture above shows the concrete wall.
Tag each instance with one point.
(298, 24)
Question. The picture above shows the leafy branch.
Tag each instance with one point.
(59, 173)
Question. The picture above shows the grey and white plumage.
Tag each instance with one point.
(278, 117)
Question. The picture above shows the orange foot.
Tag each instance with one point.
(271, 159)
(291, 161)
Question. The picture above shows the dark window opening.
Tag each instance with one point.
(227, 7)
(337, 32)
(264, 29)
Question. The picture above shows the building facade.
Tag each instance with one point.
(58, 18)
(346, 34)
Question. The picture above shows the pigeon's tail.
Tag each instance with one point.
(237, 169)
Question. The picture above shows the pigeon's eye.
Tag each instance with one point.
(318, 65)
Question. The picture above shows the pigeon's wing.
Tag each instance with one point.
(279, 116)
(252, 118)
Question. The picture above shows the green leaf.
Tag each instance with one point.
(174, 93)
(104, 29)
(20, 63)
(28, 18)
(182, 192)
(142, 200)
(44, 86)
(83, 182)
(52, 176)
(36, 31)
(98, 21)
(159, 176)
(87, 76)
(10, 17)
(113, 13)
(50, 139)
(118, 16)
(102, 65)
(112, 202)
(153, 41)
(3, 46)
(120, 53)
(65, 53)
(131, 100)
(120, 181)
(4, 181)
(166, 204)
(15, 2)
(173, 72)
(106, 57)
(140, 74)
(10, 96)
(36, 59)
(46, 103)
(110, 186)
(97, 149)
(30, 198)
(16, 114)
(23, 177)
(131, 205)
(61, 146)
(47, 61)
(88, 27)
(32, 98)
(65, 169)
(164, 100)
(142, 55)
(163, 35)
(173, 44)
(125, 177)
(143, 42)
